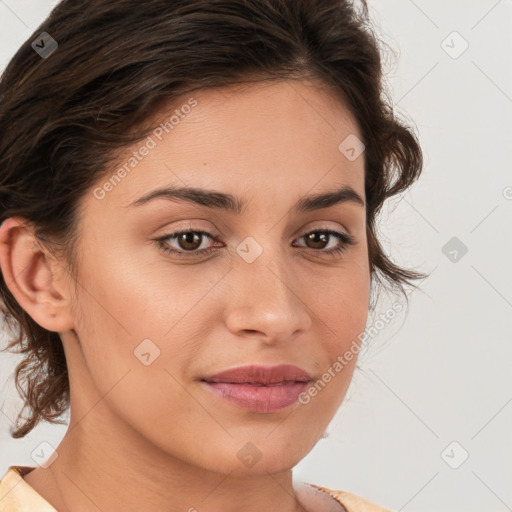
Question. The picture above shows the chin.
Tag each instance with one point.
(271, 464)
(259, 457)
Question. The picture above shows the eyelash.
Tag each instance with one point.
(345, 238)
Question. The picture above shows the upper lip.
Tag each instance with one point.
(257, 374)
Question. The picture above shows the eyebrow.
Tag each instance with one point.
(223, 201)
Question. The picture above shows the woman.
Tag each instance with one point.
(189, 193)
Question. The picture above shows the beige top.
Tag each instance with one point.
(16, 495)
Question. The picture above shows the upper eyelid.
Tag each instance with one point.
(215, 233)
(212, 236)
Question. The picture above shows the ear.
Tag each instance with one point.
(36, 279)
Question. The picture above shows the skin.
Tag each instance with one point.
(151, 437)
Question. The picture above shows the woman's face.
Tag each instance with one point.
(153, 325)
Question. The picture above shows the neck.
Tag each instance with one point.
(115, 468)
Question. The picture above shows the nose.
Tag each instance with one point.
(268, 302)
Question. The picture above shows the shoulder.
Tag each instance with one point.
(352, 502)
(16, 495)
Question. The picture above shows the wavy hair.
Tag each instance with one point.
(64, 118)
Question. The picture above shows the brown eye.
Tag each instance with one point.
(318, 240)
(189, 241)
(185, 243)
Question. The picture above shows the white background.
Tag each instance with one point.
(440, 373)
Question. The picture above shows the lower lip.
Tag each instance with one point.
(259, 398)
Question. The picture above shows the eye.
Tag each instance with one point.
(320, 237)
(189, 242)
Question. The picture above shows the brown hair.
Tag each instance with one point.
(64, 117)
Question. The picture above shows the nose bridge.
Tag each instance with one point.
(265, 260)
(268, 301)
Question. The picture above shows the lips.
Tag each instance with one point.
(259, 388)
(263, 375)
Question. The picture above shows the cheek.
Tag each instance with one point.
(137, 371)
(341, 312)
(341, 301)
(142, 321)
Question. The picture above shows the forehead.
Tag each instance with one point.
(282, 135)
(253, 112)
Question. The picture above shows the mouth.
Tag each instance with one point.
(258, 388)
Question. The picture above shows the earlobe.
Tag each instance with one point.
(34, 277)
